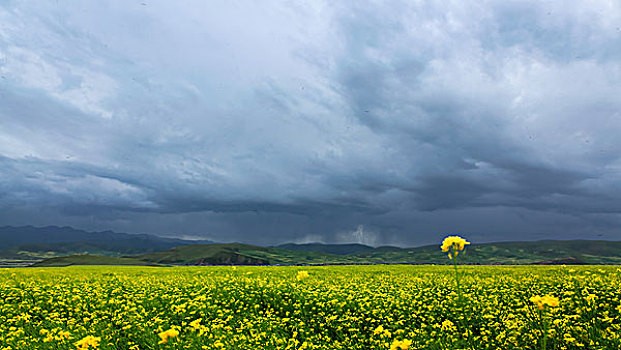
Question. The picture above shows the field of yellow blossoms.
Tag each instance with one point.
(331, 307)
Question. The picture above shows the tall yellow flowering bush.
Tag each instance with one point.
(453, 245)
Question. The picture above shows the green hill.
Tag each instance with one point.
(209, 254)
(28, 243)
(541, 252)
(243, 254)
(547, 252)
(91, 260)
(578, 251)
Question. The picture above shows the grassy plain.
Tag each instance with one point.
(323, 307)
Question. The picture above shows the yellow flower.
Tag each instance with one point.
(543, 301)
(302, 275)
(381, 331)
(88, 342)
(400, 344)
(454, 243)
(447, 325)
(196, 324)
(568, 338)
(63, 335)
(171, 333)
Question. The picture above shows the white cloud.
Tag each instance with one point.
(29, 70)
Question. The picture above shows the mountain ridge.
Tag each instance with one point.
(32, 243)
(35, 244)
(539, 252)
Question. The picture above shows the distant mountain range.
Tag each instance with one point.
(67, 246)
(34, 243)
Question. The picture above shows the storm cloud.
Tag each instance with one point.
(271, 122)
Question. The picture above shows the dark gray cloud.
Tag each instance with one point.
(358, 121)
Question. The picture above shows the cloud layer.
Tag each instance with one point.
(358, 121)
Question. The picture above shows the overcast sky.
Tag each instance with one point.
(350, 121)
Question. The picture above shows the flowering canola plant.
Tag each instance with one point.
(171, 333)
(302, 275)
(88, 342)
(400, 344)
(542, 301)
(337, 307)
(453, 245)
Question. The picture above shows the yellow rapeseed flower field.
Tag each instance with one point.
(331, 307)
